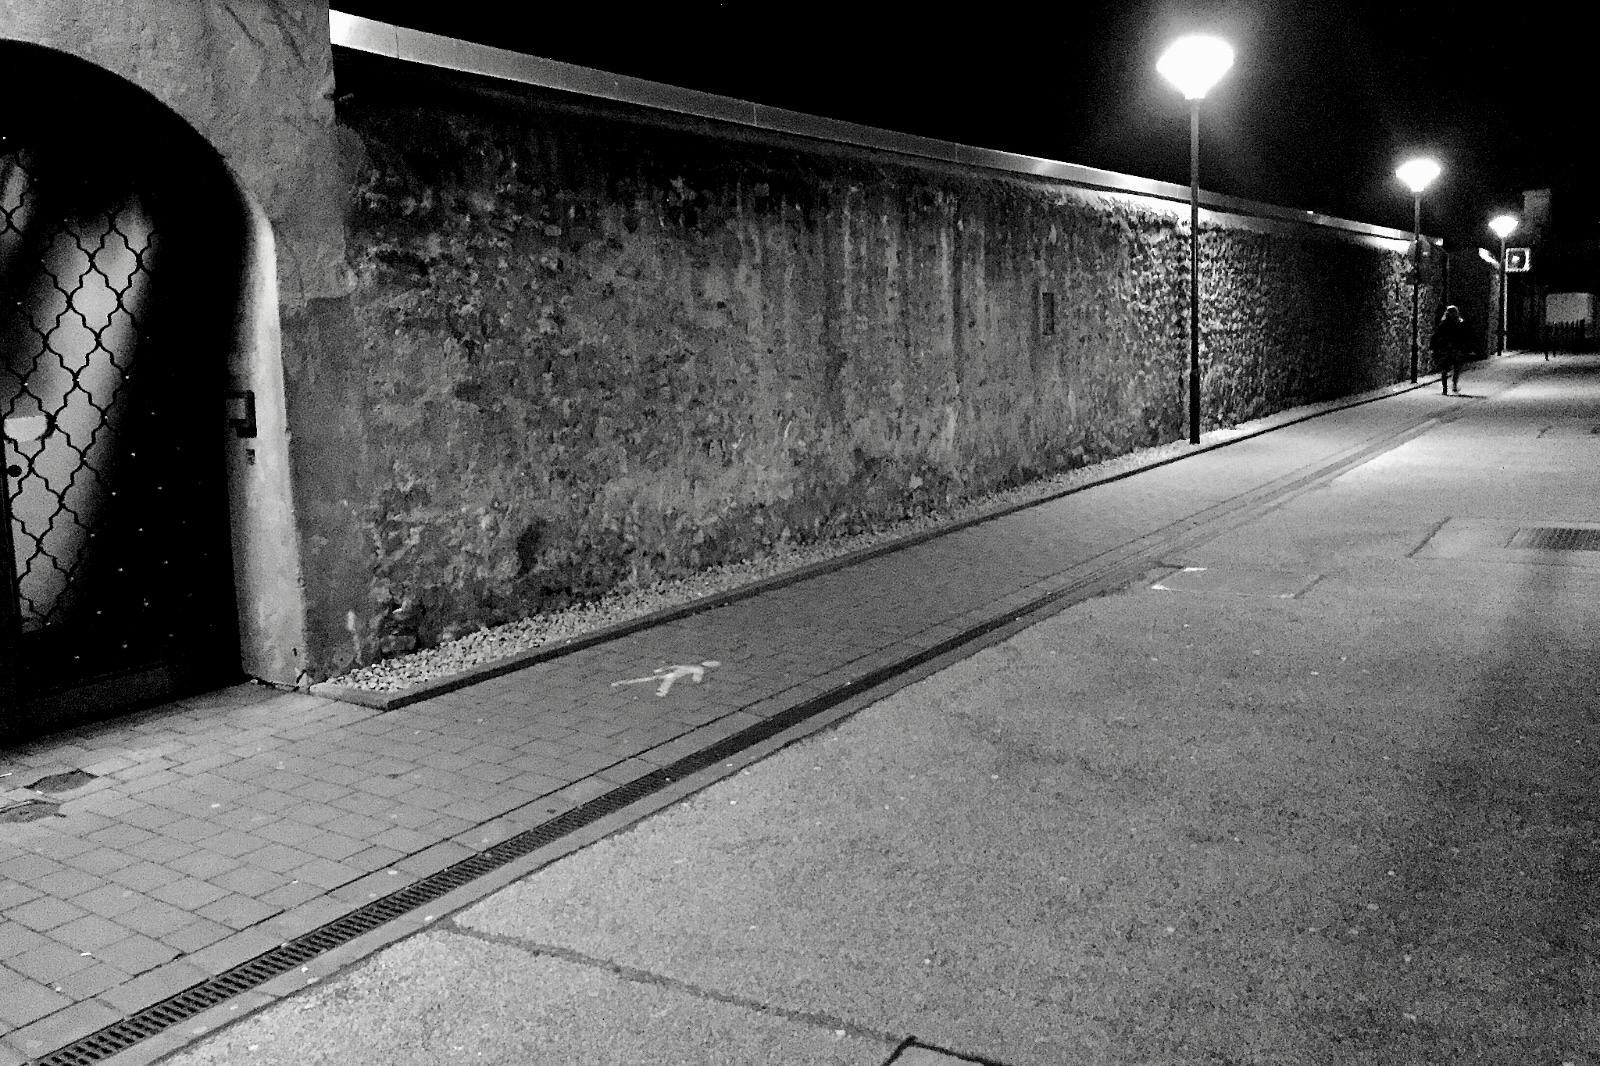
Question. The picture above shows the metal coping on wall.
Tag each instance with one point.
(448, 53)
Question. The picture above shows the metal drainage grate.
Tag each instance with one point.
(1557, 538)
(122, 1034)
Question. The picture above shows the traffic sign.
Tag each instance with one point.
(1519, 260)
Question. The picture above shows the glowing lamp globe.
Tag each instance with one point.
(1503, 226)
(1194, 64)
(1417, 174)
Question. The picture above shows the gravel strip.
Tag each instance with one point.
(498, 642)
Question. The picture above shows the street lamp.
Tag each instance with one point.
(1193, 65)
(1416, 175)
(1503, 225)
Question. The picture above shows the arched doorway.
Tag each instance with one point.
(120, 245)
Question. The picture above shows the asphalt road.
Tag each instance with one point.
(1325, 796)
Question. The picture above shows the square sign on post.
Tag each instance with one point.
(1519, 260)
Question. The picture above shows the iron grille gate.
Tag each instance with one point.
(113, 515)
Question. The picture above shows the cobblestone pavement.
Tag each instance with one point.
(205, 832)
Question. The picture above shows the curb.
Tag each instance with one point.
(389, 701)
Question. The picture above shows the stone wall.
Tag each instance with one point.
(599, 348)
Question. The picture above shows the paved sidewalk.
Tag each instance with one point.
(204, 833)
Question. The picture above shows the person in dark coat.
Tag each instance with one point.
(1452, 346)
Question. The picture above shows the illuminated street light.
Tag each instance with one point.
(1193, 65)
(1416, 175)
(1503, 226)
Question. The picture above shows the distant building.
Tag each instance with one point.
(1559, 289)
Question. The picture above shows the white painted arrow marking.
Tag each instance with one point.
(666, 675)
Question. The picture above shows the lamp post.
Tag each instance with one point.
(1503, 226)
(1193, 65)
(1416, 175)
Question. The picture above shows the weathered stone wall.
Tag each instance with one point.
(599, 351)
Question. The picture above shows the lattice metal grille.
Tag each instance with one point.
(1557, 538)
(76, 286)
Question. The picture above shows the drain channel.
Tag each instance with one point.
(1557, 538)
(1117, 568)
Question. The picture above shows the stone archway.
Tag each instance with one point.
(133, 306)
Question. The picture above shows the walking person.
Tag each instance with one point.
(1452, 345)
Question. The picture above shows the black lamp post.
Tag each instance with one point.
(1193, 65)
(1503, 226)
(1416, 174)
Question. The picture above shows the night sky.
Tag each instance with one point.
(1324, 99)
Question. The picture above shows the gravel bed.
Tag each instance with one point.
(498, 642)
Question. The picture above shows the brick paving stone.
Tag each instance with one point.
(375, 858)
(154, 918)
(402, 840)
(375, 885)
(204, 864)
(144, 876)
(488, 834)
(432, 860)
(191, 829)
(136, 954)
(108, 901)
(251, 880)
(377, 788)
(292, 894)
(201, 763)
(43, 914)
(272, 801)
(327, 874)
(625, 771)
(475, 811)
(50, 962)
(311, 814)
(89, 933)
(90, 981)
(153, 987)
(120, 836)
(101, 860)
(584, 790)
(164, 849)
(14, 893)
(329, 845)
(62, 1027)
(534, 784)
(28, 868)
(313, 914)
(425, 797)
(235, 843)
(195, 935)
(58, 845)
(493, 773)
(140, 785)
(189, 893)
(280, 858)
(68, 883)
(238, 911)
(15, 938)
(142, 769)
(230, 951)
(218, 788)
(290, 832)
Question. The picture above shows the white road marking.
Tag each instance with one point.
(666, 675)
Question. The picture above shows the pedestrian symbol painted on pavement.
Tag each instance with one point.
(664, 676)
